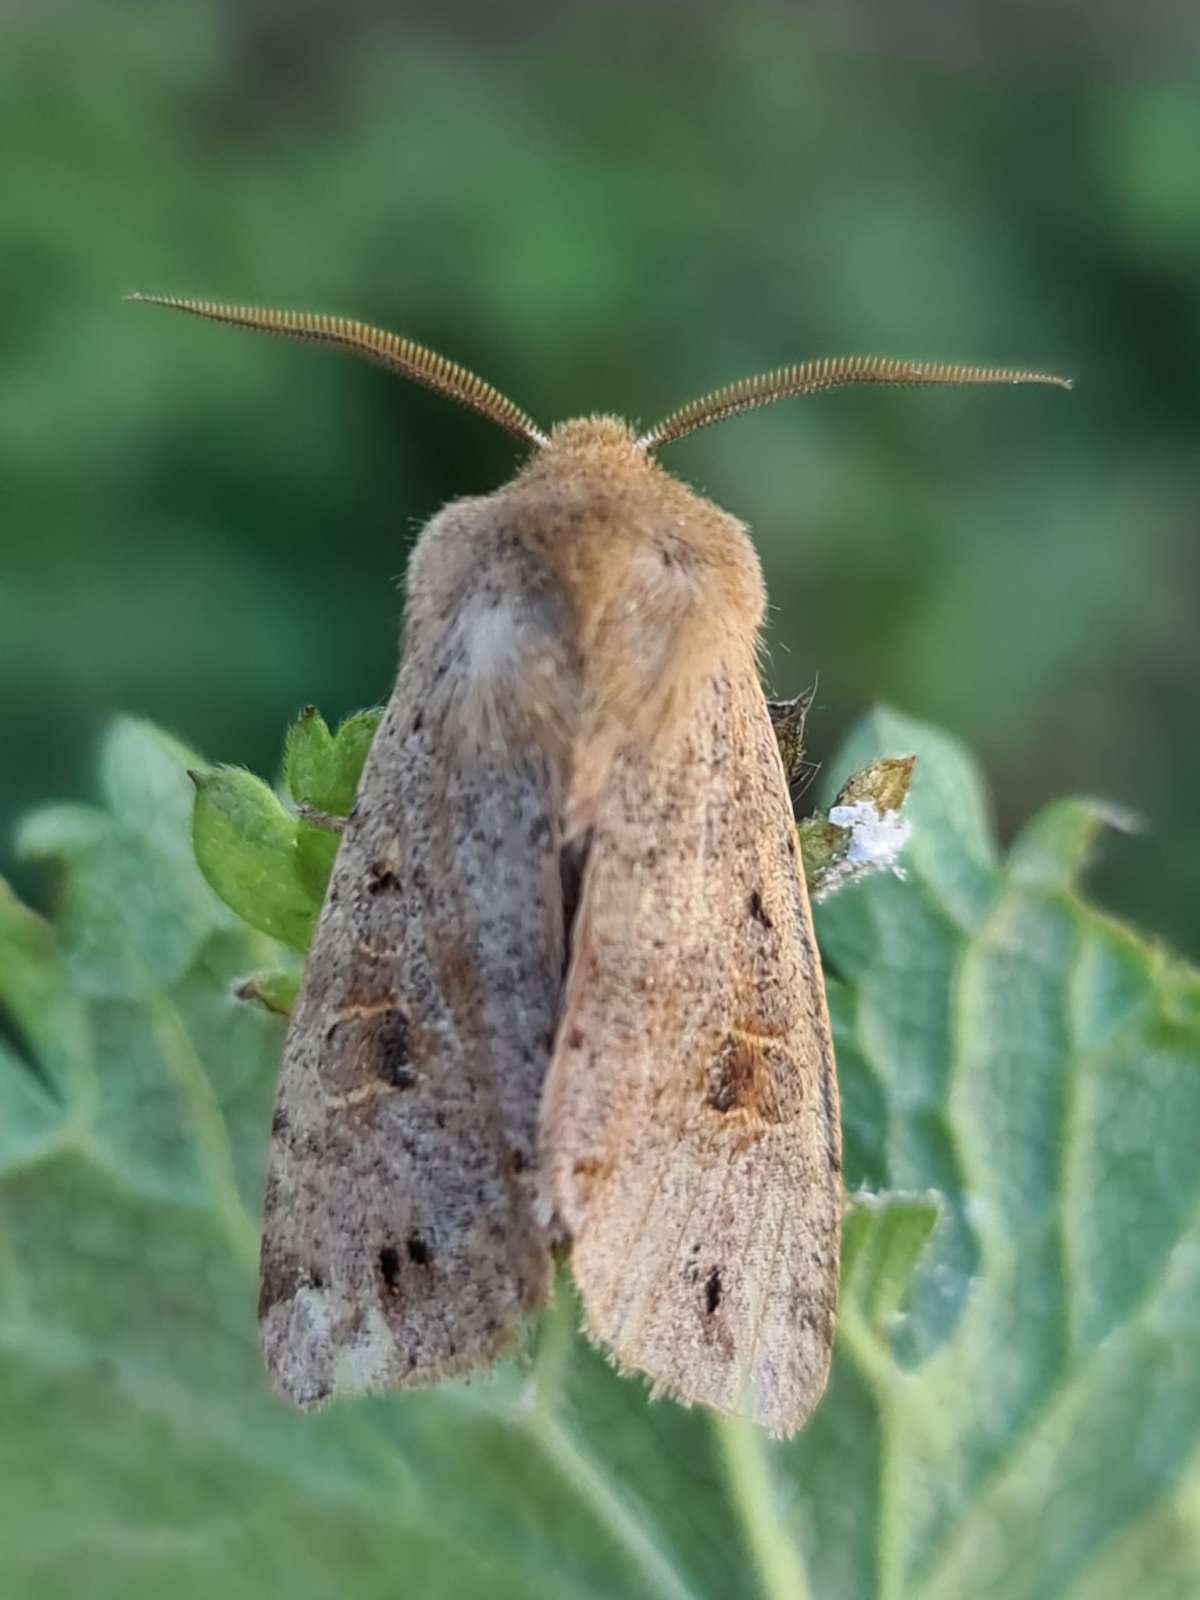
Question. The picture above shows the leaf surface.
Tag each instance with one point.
(1015, 1405)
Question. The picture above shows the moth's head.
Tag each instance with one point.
(589, 444)
(586, 439)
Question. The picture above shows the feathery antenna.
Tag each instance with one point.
(831, 372)
(387, 349)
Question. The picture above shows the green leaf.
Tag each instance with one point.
(269, 866)
(322, 771)
(1054, 848)
(1015, 1404)
(883, 1238)
(248, 847)
(314, 850)
(308, 758)
(275, 991)
(350, 749)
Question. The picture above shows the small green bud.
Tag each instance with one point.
(308, 759)
(322, 769)
(885, 783)
(246, 847)
(273, 991)
(350, 748)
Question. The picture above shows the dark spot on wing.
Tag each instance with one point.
(712, 1290)
(758, 910)
(389, 1268)
(729, 1075)
(418, 1250)
(575, 1039)
(741, 1078)
(381, 875)
(394, 1047)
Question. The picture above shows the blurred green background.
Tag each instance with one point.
(612, 208)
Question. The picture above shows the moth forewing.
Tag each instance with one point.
(400, 1244)
(690, 1120)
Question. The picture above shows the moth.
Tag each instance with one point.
(564, 993)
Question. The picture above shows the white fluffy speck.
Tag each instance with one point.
(875, 841)
(876, 837)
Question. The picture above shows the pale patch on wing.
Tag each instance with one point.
(365, 1362)
(491, 638)
(510, 687)
(297, 1335)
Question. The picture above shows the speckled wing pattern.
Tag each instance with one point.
(400, 1244)
(691, 1119)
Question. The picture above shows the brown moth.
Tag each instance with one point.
(564, 991)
